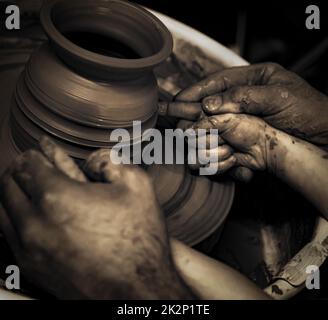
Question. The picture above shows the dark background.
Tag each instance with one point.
(261, 30)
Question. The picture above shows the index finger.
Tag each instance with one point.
(226, 79)
(219, 122)
(36, 176)
(182, 110)
(61, 160)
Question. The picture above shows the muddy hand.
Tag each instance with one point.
(281, 98)
(248, 136)
(191, 112)
(81, 239)
(61, 160)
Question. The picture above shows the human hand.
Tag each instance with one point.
(80, 239)
(250, 138)
(281, 98)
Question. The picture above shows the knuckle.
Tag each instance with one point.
(243, 95)
(49, 198)
(29, 233)
(38, 238)
(30, 153)
(31, 156)
(226, 165)
(226, 151)
(274, 66)
(283, 92)
(230, 119)
(240, 117)
(236, 93)
(215, 120)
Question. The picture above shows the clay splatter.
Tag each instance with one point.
(273, 143)
(276, 289)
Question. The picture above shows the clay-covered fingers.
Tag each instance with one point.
(212, 152)
(221, 158)
(17, 213)
(211, 140)
(258, 74)
(254, 100)
(25, 185)
(184, 124)
(36, 176)
(219, 167)
(14, 200)
(181, 110)
(99, 167)
(204, 157)
(205, 124)
(215, 155)
(61, 160)
(228, 129)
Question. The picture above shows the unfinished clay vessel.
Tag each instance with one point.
(94, 75)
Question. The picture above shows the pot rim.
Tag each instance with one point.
(100, 60)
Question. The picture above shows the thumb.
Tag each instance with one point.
(254, 100)
(61, 160)
(100, 168)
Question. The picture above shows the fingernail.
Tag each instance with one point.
(47, 146)
(46, 141)
(211, 104)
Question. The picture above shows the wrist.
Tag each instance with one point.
(301, 165)
(161, 281)
(277, 143)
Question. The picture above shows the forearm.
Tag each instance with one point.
(300, 164)
(211, 279)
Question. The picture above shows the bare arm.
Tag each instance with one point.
(302, 165)
(258, 146)
(211, 279)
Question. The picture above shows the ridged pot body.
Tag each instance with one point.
(79, 94)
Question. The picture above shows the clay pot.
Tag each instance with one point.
(94, 75)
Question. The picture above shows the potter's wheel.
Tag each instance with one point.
(211, 48)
